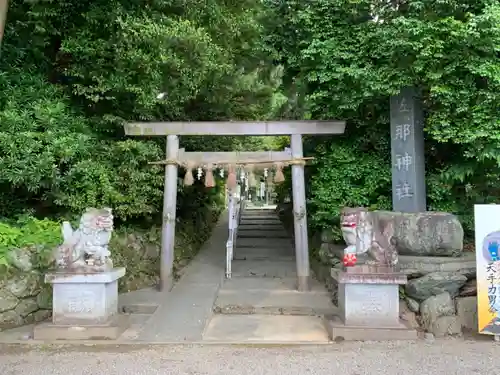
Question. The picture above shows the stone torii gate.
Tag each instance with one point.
(172, 130)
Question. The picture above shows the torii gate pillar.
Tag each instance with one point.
(300, 216)
(169, 215)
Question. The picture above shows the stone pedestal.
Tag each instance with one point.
(84, 307)
(368, 302)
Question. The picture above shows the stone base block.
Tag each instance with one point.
(84, 299)
(337, 330)
(369, 296)
(369, 305)
(111, 330)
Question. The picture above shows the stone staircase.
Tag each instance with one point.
(261, 296)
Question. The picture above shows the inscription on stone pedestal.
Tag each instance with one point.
(407, 153)
(371, 304)
(79, 301)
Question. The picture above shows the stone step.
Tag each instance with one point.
(268, 243)
(243, 221)
(259, 227)
(283, 250)
(273, 302)
(263, 268)
(270, 215)
(249, 253)
(260, 218)
(263, 234)
(282, 285)
(259, 209)
(274, 258)
(253, 329)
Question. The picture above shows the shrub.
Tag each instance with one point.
(29, 232)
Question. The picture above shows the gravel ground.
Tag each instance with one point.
(447, 357)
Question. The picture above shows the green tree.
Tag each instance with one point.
(346, 58)
(72, 72)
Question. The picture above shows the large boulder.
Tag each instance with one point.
(10, 319)
(26, 306)
(21, 259)
(438, 316)
(435, 283)
(24, 285)
(7, 300)
(446, 326)
(44, 298)
(327, 236)
(426, 233)
(435, 307)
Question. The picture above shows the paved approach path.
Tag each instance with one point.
(446, 357)
(259, 303)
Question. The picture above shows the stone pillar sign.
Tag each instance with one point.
(407, 153)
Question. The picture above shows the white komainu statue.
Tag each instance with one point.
(86, 248)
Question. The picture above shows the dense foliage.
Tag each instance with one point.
(73, 71)
(344, 59)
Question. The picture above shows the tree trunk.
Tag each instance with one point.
(4, 5)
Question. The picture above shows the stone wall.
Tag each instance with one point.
(24, 298)
(443, 301)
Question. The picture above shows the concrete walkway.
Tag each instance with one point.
(258, 304)
(183, 312)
